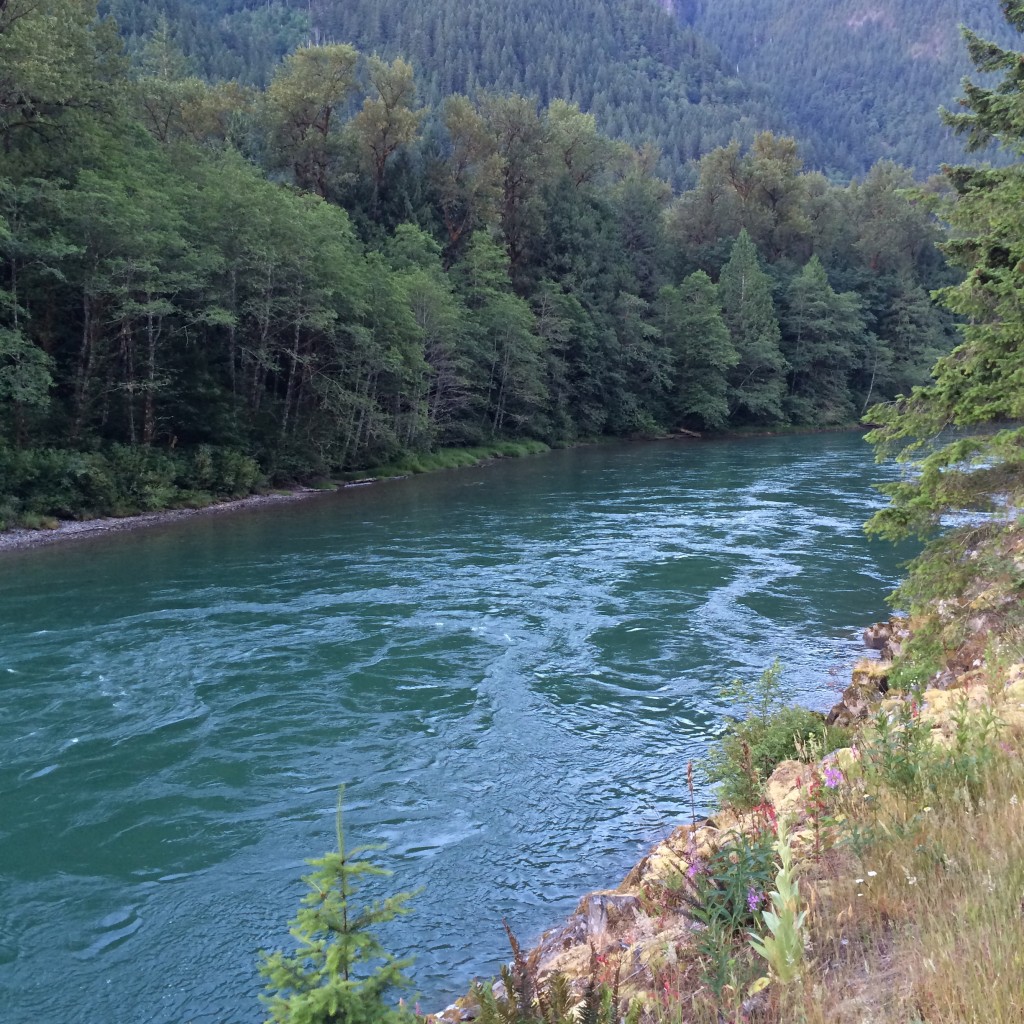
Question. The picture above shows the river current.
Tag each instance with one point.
(509, 667)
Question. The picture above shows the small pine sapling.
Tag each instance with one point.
(340, 973)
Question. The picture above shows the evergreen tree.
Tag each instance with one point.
(824, 334)
(340, 973)
(978, 389)
(690, 320)
(757, 383)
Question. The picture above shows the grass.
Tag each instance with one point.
(911, 877)
(924, 921)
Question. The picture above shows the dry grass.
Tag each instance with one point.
(936, 934)
(916, 903)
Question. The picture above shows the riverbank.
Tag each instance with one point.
(57, 530)
(881, 880)
(66, 530)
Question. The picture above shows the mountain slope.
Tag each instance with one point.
(861, 80)
(645, 76)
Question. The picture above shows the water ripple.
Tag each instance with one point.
(509, 667)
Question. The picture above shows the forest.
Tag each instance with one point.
(210, 284)
(857, 81)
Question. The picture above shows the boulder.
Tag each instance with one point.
(877, 636)
(784, 788)
(870, 681)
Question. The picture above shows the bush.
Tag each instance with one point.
(769, 733)
(43, 483)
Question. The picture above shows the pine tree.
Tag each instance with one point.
(329, 979)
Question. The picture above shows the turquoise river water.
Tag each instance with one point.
(509, 667)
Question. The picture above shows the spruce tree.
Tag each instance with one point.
(757, 383)
(340, 973)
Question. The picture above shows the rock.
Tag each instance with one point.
(785, 787)
(607, 912)
(599, 918)
(870, 681)
(984, 623)
(899, 633)
(456, 1013)
(877, 636)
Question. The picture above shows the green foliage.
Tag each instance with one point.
(690, 321)
(339, 973)
(899, 756)
(783, 947)
(767, 734)
(757, 381)
(727, 886)
(334, 280)
(961, 435)
(118, 480)
(865, 81)
(725, 896)
(824, 331)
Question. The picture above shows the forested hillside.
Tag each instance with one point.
(646, 77)
(856, 80)
(207, 285)
(860, 80)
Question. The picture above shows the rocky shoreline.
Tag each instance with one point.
(68, 530)
(627, 924)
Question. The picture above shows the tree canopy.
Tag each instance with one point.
(962, 432)
(207, 284)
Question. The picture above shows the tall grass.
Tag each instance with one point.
(911, 867)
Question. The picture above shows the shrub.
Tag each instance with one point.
(770, 732)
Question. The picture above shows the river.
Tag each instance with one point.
(509, 668)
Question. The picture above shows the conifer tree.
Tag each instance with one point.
(331, 978)
(757, 383)
(824, 332)
(978, 389)
(690, 320)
